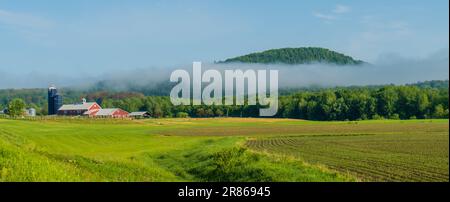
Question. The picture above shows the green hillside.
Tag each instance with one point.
(296, 56)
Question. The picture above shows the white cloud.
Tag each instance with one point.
(378, 34)
(324, 16)
(23, 20)
(341, 9)
(27, 26)
(333, 14)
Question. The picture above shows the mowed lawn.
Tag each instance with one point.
(223, 149)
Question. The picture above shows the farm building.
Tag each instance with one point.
(91, 109)
(55, 100)
(78, 109)
(139, 115)
(107, 113)
(30, 112)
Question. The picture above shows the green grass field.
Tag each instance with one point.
(223, 149)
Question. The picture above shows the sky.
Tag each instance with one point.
(86, 37)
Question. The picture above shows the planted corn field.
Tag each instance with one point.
(370, 157)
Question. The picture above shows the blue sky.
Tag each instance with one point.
(97, 36)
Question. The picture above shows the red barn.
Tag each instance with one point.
(78, 109)
(108, 113)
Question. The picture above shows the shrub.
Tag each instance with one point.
(395, 117)
(440, 112)
(182, 115)
(377, 117)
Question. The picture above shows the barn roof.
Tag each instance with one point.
(90, 112)
(84, 106)
(138, 113)
(106, 112)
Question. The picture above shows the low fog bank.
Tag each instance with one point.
(388, 69)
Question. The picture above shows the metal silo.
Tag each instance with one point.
(58, 100)
(54, 100)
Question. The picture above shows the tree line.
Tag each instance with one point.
(424, 100)
(390, 102)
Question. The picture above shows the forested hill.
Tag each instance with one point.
(305, 55)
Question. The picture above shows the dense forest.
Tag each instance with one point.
(296, 56)
(391, 102)
(421, 100)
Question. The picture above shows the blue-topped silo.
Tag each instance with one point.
(54, 100)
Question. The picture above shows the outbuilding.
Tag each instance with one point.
(139, 115)
(30, 112)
